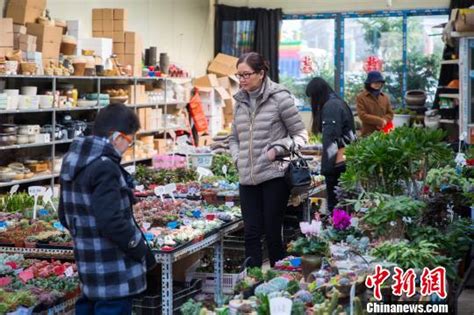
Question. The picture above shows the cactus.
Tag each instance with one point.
(358, 306)
(334, 301)
(328, 307)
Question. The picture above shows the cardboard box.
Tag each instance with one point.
(229, 105)
(230, 83)
(47, 62)
(6, 40)
(27, 39)
(223, 65)
(137, 94)
(121, 58)
(5, 51)
(97, 25)
(151, 124)
(142, 118)
(119, 37)
(49, 50)
(120, 25)
(107, 14)
(160, 146)
(108, 25)
(97, 14)
(25, 11)
(98, 34)
(26, 47)
(463, 20)
(207, 81)
(45, 33)
(131, 37)
(19, 29)
(133, 48)
(132, 59)
(120, 14)
(6, 25)
(33, 56)
(108, 35)
(119, 48)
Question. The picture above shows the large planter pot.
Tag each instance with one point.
(415, 98)
(401, 120)
(310, 263)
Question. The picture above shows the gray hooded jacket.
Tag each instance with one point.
(276, 120)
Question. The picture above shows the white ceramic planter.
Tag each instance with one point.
(401, 120)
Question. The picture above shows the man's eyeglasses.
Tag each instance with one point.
(244, 75)
(129, 139)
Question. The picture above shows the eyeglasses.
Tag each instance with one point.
(129, 139)
(244, 75)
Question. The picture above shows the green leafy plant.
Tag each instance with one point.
(218, 161)
(297, 308)
(309, 246)
(256, 273)
(447, 177)
(191, 307)
(16, 203)
(293, 287)
(403, 111)
(270, 274)
(148, 176)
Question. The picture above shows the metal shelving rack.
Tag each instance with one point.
(54, 110)
(466, 78)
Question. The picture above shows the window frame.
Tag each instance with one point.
(339, 50)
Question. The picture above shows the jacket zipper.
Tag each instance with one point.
(252, 119)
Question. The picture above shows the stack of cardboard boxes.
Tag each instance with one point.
(151, 119)
(6, 36)
(128, 46)
(48, 41)
(216, 90)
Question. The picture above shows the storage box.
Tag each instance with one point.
(107, 14)
(160, 146)
(230, 83)
(25, 42)
(97, 25)
(45, 33)
(119, 48)
(133, 48)
(121, 58)
(132, 59)
(25, 11)
(206, 81)
(97, 14)
(6, 39)
(463, 20)
(6, 25)
(142, 118)
(5, 51)
(108, 25)
(137, 94)
(119, 37)
(97, 34)
(131, 37)
(108, 35)
(120, 25)
(120, 14)
(223, 65)
(101, 46)
(50, 50)
(19, 29)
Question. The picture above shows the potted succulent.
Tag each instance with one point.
(312, 248)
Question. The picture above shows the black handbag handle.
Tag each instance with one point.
(293, 152)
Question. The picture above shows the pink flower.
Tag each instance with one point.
(313, 229)
(341, 220)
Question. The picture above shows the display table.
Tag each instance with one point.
(44, 253)
(166, 258)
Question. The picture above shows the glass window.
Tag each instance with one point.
(306, 50)
(369, 44)
(237, 37)
(424, 53)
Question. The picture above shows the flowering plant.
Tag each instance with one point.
(312, 243)
(311, 229)
(341, 220)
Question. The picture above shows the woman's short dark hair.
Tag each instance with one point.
(319, 91)
(116, 117)
(255, 61)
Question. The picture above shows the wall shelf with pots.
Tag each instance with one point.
(57, 109)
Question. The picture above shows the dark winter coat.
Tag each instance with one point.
(96, 207)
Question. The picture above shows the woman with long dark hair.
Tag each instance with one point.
(334, 119)
(264, 116)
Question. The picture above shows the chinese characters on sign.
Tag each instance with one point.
(431, 282)
(306, 65)
(373, 63)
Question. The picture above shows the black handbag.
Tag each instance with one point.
(297, 175)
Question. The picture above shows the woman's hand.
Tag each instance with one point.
(340, 157)
(271, 154)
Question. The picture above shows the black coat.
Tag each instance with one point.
(338, 130)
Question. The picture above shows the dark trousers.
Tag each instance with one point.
(332, 180)
(85, 306)
(263, 207)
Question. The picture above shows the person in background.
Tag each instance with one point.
(95, 205)
(373, 105)
(334, 119)
(265, 115)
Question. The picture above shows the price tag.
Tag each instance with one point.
(140, 188)
(160, 191)
(280, 306)
(146, 225)
(130, 169)
(47, 198)
(14, 189)
(36, 191)
(69, 272)
(58, 226)
(170, 189)
(172, 134)
(224, 170)
(203, 172)
(229, 204)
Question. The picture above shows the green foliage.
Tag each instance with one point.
(255, 273)
(297, 308)
(191, 307)
(383, 162)
(309, 246)
(270, 274)
(264, 306)
(315, 138)
(218, 161)
(147, 176)
(318, 297)
(16, 203)
(447, 176)
(404, 111)
(293, 287)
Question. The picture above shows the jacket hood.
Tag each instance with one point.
(269, 88)
(83, 152)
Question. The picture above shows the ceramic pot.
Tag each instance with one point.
(164, 63)
(415, 98)
(310, 263)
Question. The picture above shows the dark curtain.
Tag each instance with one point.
(266, 33)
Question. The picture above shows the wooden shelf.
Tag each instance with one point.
(449, 95)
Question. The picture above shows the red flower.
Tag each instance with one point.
(59, 270)
(5, 281)
(12, 264)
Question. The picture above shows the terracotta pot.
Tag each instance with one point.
(310, 263)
